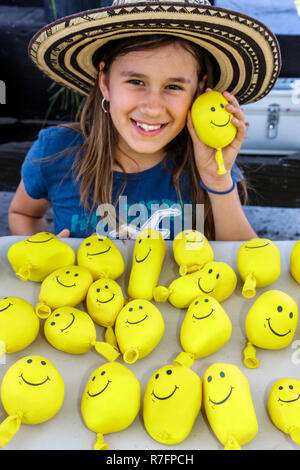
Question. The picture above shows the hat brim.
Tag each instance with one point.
(246, 51)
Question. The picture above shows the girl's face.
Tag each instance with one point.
(149, 94)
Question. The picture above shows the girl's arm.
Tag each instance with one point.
(25, 214)
(230, 220)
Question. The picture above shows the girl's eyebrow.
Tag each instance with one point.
(131, 73)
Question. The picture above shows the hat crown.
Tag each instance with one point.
(195, 2)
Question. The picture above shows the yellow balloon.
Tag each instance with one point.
(206, 327)
(70, 330)
(101, 257)
(111, 401)
(216, 279)
(295, 262)
(19, 325)
(172, 402)
(213, 123)
(191, 251)
(139, 328)
(104, 301)
(148, 256)
(32, 392)
(39, 255)
(259, 264)
(65, 286)
(283, 406)
(228, 405)
(270, 324)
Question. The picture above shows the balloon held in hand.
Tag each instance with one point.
(213, 125)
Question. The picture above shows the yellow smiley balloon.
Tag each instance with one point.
(212, 123)
(228, 405)
(32, 392)
(295, 262)
(104, 301)
(191, 251)
(206, 327)
(148, 256)
(216, 279)
(172, 402)
(111, 401)
(39, 255)
(101, 257)
(65, 286)
(270, 324)
(19, 325)
(258, 263)
(70, 330)
(284, 407)
(139, 328)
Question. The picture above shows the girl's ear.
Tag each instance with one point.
(102, 81)
(202, 84)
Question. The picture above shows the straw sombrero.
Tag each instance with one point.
(246, 51)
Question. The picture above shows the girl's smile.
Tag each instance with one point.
(149, 93)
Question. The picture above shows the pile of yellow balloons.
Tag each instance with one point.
(74, 297)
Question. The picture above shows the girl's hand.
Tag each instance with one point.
(65, 233)
(205, 155)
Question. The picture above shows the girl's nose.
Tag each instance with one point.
(153, 104)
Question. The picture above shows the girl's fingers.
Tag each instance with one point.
(65, 233)
(236, 111)
(241, 129)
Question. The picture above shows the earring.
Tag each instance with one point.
(105, 106)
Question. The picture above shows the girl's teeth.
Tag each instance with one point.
(147, 128)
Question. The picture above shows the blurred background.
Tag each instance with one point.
(270, 156)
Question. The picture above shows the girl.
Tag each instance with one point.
(135, 137)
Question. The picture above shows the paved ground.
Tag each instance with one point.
(270, 222)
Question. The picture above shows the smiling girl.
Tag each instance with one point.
(135, 137)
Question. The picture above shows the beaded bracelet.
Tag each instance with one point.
(218, 192)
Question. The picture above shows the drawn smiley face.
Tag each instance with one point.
(42, 237)
(34, 387)
(272, 320)
(284, 406)
(62, 320)
(212, 121)
(138, 313)
(70, 330)
(201, 309)
(143, 248)
(104, 301)
(224, 396)
(256, 244)
(35, 375)
(286, 391)
(97, 387)
(172, 401)
(69, 277)
(223, 385)
(164, 389)
(216, 279)
(96, 245)
(5, 303)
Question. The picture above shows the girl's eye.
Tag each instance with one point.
(174, 87)
(135, 82)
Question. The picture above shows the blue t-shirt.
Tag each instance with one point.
(148, 201)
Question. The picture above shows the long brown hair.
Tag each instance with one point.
(93, 165)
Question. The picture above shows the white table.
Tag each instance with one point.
(67, 429)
